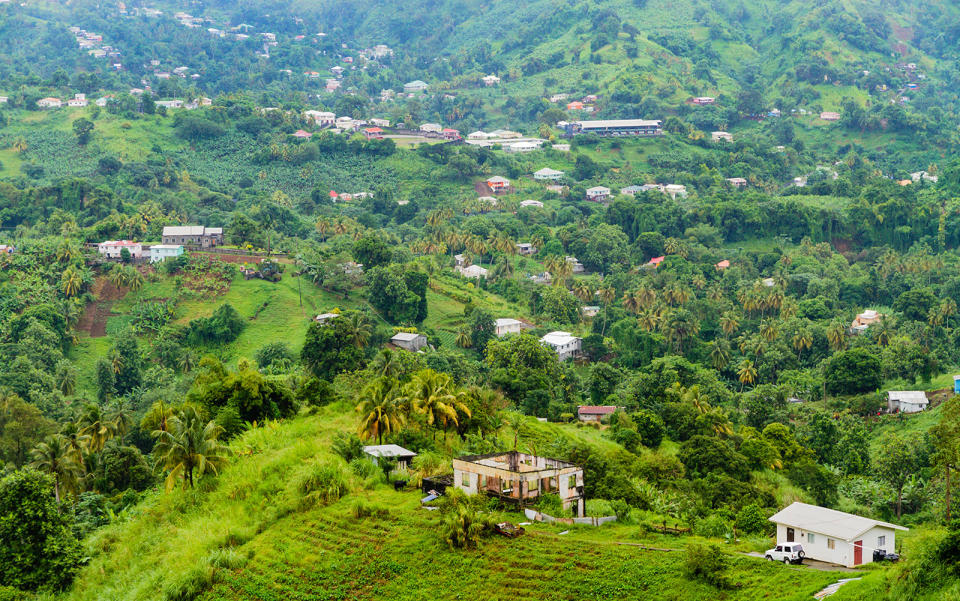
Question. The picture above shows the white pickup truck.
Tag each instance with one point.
(786, 552)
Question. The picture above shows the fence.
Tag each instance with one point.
(537, 516)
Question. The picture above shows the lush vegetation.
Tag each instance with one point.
(187, 430)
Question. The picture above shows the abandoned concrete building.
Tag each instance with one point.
(520, 478)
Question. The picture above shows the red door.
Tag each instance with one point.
(858, 552)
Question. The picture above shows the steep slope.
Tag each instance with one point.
(251, 534)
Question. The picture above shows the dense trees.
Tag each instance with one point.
(37, 548)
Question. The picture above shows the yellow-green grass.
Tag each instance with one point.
(279, 547)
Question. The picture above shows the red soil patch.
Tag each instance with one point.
(95, 314)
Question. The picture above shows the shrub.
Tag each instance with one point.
(361, 509)
(708, 563)
(226, 559)
(751, 520)
(189, 585)
(464, 527)
(347, 446)
(321, 483)
(365, 469)
(12, 594)
(712, 526)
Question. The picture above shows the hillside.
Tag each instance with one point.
(251, 535)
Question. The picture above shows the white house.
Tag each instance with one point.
(325, 318)
(834, 536)
(473, 271)
(415, 86)
(524, 146)
(78, 100)
(598, 194)
(478, 135)
(431, 128)
(547, 174)
(717, 136)
(160, 252)
(49, 103)
(321, 118)
(376, 122)
(906, 401)
(409, 341)
(531, 203)
(111, 249)
(565, 344)
(506, 325)
(675, 190)
(389, 451)
(490, 80)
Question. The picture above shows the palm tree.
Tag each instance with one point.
(463, 338)
(189, 448)
(837, 336)
(434, 395)
(98, 427)
(386, 364)
(55, 457)
(679, 326)
(746, 373)
(648, 320)
(67, 251)
(768, 330)
(729, 323)
(360, 330)
(582, 291)
(134, 278)
(187, 360)
(802, 340)
(606, 296)
(77, 441)
(720, 354)
(323, 226)
(118, 276)
(20, 144)
(71, 281)
(379, 409)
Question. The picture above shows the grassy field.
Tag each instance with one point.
(250, 535)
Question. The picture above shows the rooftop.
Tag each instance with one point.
(388, 450)
(558, 338)
(406, 336)
(829, 522)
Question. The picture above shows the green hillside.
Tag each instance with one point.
(250, 534)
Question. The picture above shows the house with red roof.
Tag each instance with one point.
(595, 413)
(450, 134)
(722, 265)
(655, 262)
(301, 134)
(373, 133)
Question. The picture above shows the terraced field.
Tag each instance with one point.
(328, 555)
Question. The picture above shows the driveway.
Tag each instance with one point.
(813, 564)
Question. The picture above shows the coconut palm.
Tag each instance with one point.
(387, 364)
(134, 279)
(98, 427)
(360, 330)
(71, 281)
(768, 330)
(54, 456)
(323, 226)
(678, 326)
(746, 373)
(20, 144)
(582, 291)
(720, 354)
(837, 336)
(189, 448)
(729, 323)
(802, 340)
(434, 395)
(463, 338)
(380, 409)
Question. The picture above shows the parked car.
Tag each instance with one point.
(787, 553)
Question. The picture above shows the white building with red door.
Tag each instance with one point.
(834, 536)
